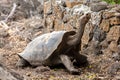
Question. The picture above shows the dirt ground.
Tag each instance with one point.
(97, 69)
(14, 39)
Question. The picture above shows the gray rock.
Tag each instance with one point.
(6, 75)
(96, 7)
(2, 43)
(114, 68)
(99, 35)
(116, 56)
(3, 33)
(95, 1)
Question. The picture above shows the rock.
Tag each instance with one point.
(2, 42)
(104, 44)
(96, 48)
(80, 10)
(47, 8)
(114, 21)
(95, 1)
(105, 25)
(28, 30)
(3, 33)
(66, 18)
(40, 10)
(119, 48)
(42, 69)
(88, 34)
(19, 15)
(2, 59)
(113, 46)
(6, 75)
(96, 18)
(99, 35)
(96, 7)
(110, 14)
(26, 9)
(28, 74)
(58, 11)
(116, 9)
(113, 34)
(114, 68)
(61, 2)
(107, 51)
(59, 25)
(74, 22)
(92, 48)
(50, 23)
(16, 75)
(116, 56)
(70, 4)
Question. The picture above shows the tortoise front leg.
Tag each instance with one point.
(81, 59)
(68, 64)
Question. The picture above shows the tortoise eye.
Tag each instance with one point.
(87, 14)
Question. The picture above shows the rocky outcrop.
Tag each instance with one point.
(101, 34)
(103, 26)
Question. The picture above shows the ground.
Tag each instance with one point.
(96, 70)
(18, 33)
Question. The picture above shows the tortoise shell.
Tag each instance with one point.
(42, 47)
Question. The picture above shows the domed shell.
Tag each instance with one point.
(42, 47)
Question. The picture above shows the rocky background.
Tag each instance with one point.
(23, 20)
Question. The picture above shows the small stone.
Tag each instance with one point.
(96, 18)
(42, 69)
(58, 11)
(105, 25)
(107, 51)
(70, 4)
(88, 33)
(47, 7)
(99, 35)
(104, 44)
(115, 21)
(113, 34)
(3, 32)
(114, 68)
(116, 56)
(66, 18)
(2, 42)
(108, 14)
(113, 46)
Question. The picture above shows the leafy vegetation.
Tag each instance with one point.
(112, 1)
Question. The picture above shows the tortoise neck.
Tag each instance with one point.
(80, 31)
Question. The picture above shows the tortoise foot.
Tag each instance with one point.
(74, 71)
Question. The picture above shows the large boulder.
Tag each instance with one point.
(105, 25)
(113, 34)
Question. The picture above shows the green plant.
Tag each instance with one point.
(112, 1)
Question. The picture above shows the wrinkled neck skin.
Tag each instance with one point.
(76, 39)
(80, 31)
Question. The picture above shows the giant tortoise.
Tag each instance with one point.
(55, 48)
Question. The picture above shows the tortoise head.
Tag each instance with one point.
(85, 18)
